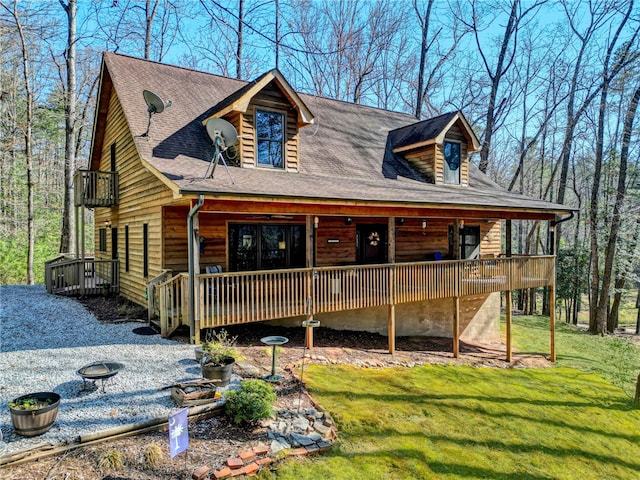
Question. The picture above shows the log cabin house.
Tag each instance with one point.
(358, 217)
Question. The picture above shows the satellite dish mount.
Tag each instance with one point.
(155, 104)
(223, 135)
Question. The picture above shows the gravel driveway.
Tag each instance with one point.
(45, 339)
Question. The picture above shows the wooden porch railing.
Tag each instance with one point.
(153, 294)
(95, 189)
(174, 304)
(72, 276)
(244, 297)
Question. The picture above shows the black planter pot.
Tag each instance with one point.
(30, 423)
(219, 372)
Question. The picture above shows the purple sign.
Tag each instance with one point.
(178, 432)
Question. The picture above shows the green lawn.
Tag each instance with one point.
(461, 422)
(616, 360)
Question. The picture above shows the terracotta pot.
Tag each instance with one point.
(221, 373)
(30, 423)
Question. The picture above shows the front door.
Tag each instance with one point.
(371, 241)
(469, 242)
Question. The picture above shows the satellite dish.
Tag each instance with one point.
(221, 131)
(155, 104)
(223, 135)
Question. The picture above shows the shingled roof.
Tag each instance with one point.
(345, 155)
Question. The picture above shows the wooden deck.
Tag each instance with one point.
(69, 276)
(244, 297)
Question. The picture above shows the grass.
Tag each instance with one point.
(628, 315)
(617, 360)
(458, 422)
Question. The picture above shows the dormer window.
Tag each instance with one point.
(451, 163)
(270, 130)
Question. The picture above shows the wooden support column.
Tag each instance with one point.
(508, 310)
(456, 239)
(552, 296)
(391, 329)
(310, 263)
(197, 294)
(456, 328)
(508, 252)
(391, 255)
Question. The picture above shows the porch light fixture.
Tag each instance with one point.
(107, 223)
(348, 220)
(401, 221)
(424, 224)
(316, 221)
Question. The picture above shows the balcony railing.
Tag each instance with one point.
(95, 189)
(244, 297)
(70, 276)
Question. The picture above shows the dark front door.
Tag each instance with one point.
(372, 244)
(469, 242)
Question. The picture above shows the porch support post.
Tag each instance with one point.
(192, 247)
(310, 263)
(508, 247)
(80, 246)
(391, 255)
(456, 328)
(552, 295)
(508, 310)
(456, 239)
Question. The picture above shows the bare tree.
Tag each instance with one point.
(26, 73)
(617, 212)
(67, 239)
(609, 72)
(428, 44)
(504, 61)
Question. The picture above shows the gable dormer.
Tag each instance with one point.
(438, 148)
(267, 114)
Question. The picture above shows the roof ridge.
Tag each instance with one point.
(188, 69)
(432, 119)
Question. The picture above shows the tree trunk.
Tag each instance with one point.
(150, 14)
(638, 317)
(612, 319)
(495, 83)
(595, 190)
(610, 250)
(424, 47)
(27, 143)
(240, 40)
(67, 239)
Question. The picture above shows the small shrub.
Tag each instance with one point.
(218, 347)
(252, 402)
(152, 455)
(110, 460)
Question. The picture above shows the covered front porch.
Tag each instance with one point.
(231, 298)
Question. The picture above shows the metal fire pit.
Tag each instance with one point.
(99, 371)
(274, 341)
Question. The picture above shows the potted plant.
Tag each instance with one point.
(34, 413)
(218, 357)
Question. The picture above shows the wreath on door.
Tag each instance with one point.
(374, 239)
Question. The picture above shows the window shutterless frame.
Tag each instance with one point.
(270, 134)
(451, 152)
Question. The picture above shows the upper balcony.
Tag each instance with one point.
(95, 189)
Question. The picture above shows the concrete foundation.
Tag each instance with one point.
(479, 318)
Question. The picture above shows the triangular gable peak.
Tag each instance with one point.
(240, 101)
(271, 104)
(438, 147)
